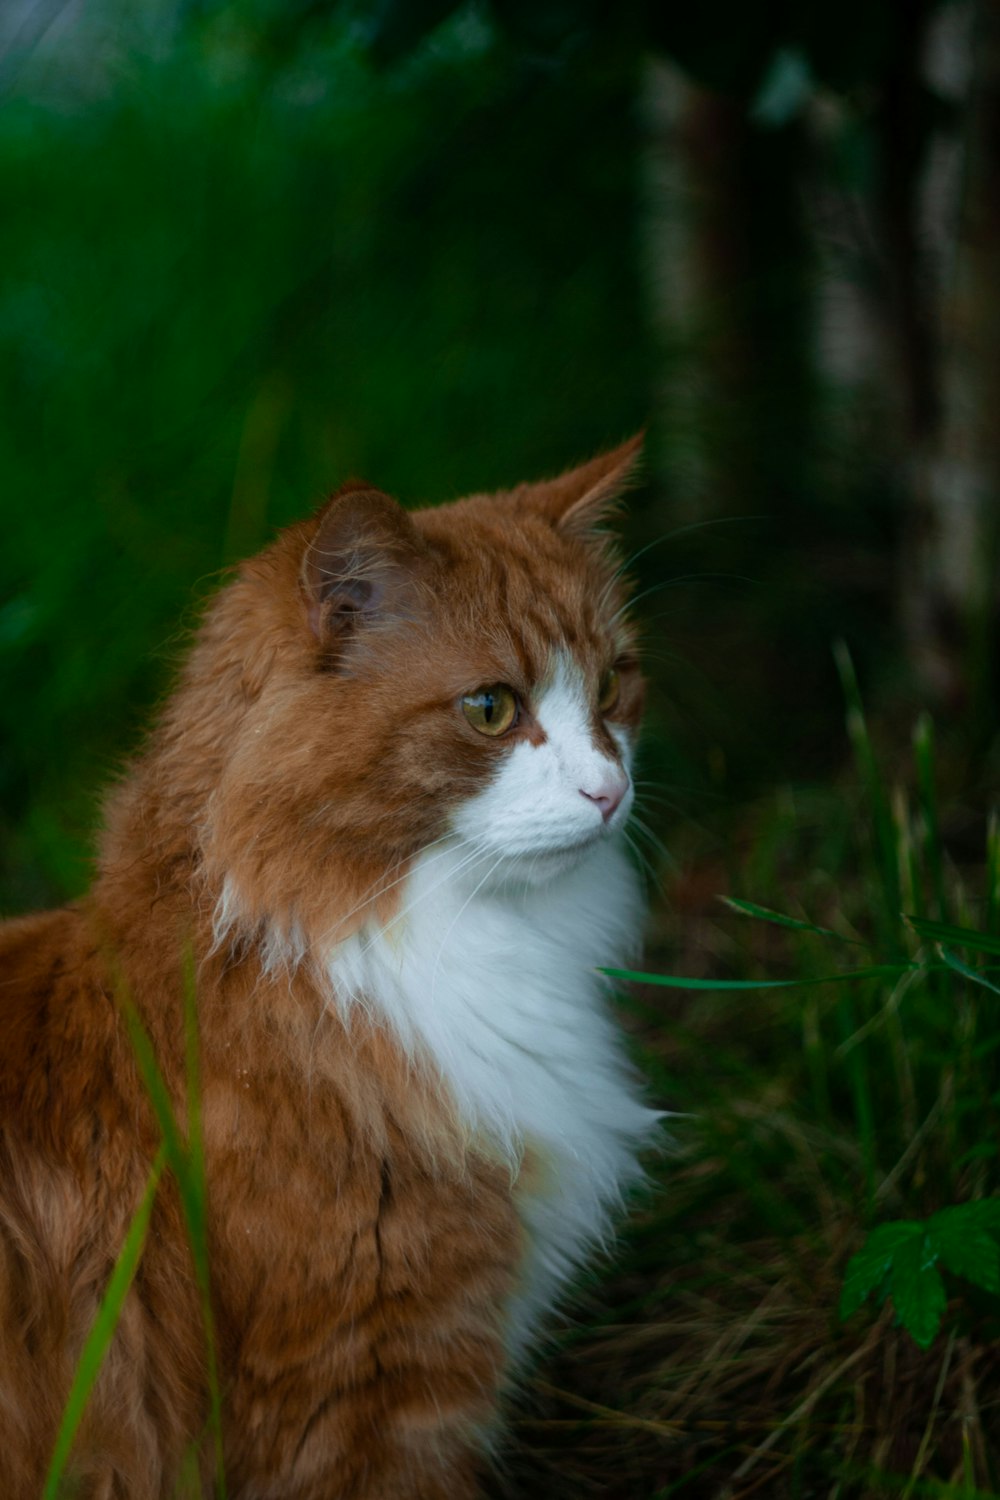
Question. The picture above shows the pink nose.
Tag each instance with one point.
(607, 795)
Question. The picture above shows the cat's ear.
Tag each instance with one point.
(360, 568)
(579, 501)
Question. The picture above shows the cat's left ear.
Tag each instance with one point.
(579, 501)
(361, 569)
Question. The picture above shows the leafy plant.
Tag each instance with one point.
(900, 1261)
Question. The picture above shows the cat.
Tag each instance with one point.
(383, 814)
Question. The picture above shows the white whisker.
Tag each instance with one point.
(377, 890)
(407, 910)
(454, 921)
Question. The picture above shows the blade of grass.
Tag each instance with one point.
(959, 967)
(923, 750)
(197, 1217)
(156, 1088)
(884, 839)
(102, 1331)
(186, 1161)
(962, 937)
(678, 982)
(911, 890)
(887, 870)
(880, 1481)
(993, 871)
(765, 914)
(912, 883)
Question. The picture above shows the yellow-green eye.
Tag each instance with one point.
(610, 688)
(491, 710)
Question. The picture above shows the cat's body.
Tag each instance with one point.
(416, 1118)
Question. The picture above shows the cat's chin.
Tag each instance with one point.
(539, 866)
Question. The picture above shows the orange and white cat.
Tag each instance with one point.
(384, 807)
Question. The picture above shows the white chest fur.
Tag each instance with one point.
(497, 986)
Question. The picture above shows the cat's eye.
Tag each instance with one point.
(610, 688)
(492, 710)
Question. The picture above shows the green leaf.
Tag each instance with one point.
(983, 1214)
(964, 937)
(960, 968)
(873, 1262)
(917, 1290)
(765, 914)
(967, 1249)
(102, 1332)
(677, 982)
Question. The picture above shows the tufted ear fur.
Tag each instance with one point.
(578, 501)
(361, 567)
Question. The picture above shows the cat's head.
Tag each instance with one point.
(465, 673)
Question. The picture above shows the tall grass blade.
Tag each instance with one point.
(959, 967)
(156, 1088)
(923, 749)
(886, 858)
(993, 871)
(887, 868)
(765, 914)
(102, 1332)
(881, 1482)
(186, 1161)
(911, 888)
(678, 982)
(197, 1213)
(962, 937)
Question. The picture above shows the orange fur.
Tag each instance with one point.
(362, 1244)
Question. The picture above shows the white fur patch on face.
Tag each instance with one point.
(545, 804)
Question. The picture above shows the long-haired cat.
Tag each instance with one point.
(384, 811)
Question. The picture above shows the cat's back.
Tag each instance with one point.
(72, 1159)
(54, 1016)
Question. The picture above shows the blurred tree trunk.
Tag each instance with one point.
(947, 589)
(739, 309)
(729, 269)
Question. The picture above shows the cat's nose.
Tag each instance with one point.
(608, 793)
